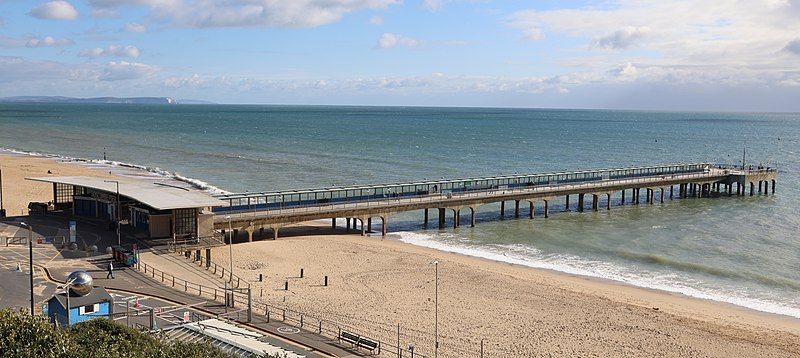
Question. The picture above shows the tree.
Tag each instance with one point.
(22, 335)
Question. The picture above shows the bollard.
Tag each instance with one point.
(301, 273)
(286, 286)
(326, 281)
(260, 277)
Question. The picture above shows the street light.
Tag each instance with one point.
(119, 240)
(436, 314)
(30, 258)
(230, 244)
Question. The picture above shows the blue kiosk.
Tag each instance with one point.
(85, 301)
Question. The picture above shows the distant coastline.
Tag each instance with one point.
(100, 100)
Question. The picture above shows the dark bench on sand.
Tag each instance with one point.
(360, 342)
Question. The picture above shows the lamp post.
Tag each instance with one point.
(30, 259)
(119, 240)
(436, 314)
(2, 210)
(230, 244)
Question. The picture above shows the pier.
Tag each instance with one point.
(359, 205)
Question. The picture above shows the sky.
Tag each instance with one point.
(661, 55)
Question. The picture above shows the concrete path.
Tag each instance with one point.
(133, 281)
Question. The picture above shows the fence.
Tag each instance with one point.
(23, 240)
(214, 293)
(392, 341)
(545, 189)
(209, 265)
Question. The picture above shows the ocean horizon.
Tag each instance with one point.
(736, 250)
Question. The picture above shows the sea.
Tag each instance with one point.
(740, 250)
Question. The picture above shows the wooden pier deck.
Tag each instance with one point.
(695, 180)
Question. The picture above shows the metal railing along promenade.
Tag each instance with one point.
(444, 198)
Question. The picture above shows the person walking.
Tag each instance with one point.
(110, 270)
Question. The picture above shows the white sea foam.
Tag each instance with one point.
(102, 163)
(527, 256)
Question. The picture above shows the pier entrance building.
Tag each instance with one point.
(157, 209)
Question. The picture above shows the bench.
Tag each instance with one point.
(360, 342)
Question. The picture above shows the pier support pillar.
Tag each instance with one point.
(384, 225)
(333, 223)
(671, 187)
(566, 205)
(275, 233)
(759, 186)
(766, 187)
(455, 218)
(580, 203)
(441, 218)
(363, 228)
(730, 189)
(738, 188)
(472, 217)
(662, 195)
(622, 201)
(425, 220)
(502, 209)
(752, 188)
(595, 201)
(249, 236)
(533, 209)
(773, 187)
(608, 202)
(369, 225)
(516, 209)
(546, 209)
(636, 195)
(348, 223)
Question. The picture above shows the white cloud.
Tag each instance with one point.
(111, 50)
(622, 39)
(134, 27)
(105, 13)
(433, 5)
(376, 20)
(679, 42)
(249, 13)
(122, 70)
(48, 41)
(55, 10)
(34, 41)
(47, 74)
(389, 40)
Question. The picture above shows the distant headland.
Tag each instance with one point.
(100, 100)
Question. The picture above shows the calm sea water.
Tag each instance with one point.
(739, 250)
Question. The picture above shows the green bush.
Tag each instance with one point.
(22, 335)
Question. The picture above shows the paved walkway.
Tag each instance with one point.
(133, 281)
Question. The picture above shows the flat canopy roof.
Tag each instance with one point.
(160, 196)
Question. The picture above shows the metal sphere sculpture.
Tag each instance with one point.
(82, 283)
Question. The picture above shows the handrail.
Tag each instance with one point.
(598, 185)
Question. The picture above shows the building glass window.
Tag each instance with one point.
(185, 222)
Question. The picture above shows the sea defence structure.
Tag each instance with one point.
(257, 212)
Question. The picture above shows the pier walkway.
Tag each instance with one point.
(257, 212)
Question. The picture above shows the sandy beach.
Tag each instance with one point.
(18, 192)
(376, 284)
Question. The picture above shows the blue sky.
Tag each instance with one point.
(696, 55)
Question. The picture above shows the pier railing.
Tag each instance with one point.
(598, 186)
